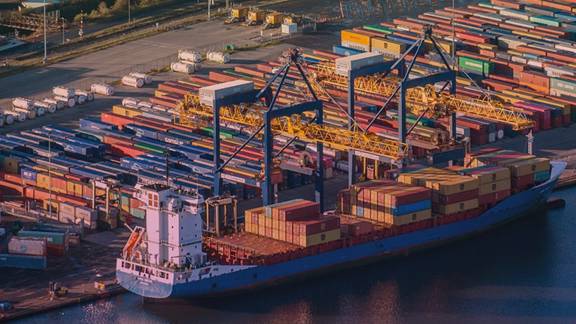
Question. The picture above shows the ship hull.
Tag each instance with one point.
(514, 207)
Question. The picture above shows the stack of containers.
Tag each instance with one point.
(454, 196)
(386, 202)
(296, 221)
(525, 170)
(494, 184)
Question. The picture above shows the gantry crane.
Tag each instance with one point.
(424, 98)
(251, 115)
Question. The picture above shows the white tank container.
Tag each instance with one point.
(30, 113)
(17, 116)
(81, 99)
(146, 77)
(197, 66)
(190, 56)
(48, 106)
(40, 111)
(128, 101)
(218, 57)
(132, 81)
(88, 94)
(63, 92)
(23, 103)
(70, 102)
(9, 119)
(58, 104)
(183, 67)
(102, 89)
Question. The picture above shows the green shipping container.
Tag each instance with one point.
(378, 29)
(51, 237)
(150, 148)
(544, 20)
(475, 65)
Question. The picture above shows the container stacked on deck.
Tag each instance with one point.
(454, 196)
(525, 170)
(494, 184)
(296, 221)
(386, 202)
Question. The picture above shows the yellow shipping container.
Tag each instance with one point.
(241, 12)
(42, 181)
(319, 238)
(386, 46)
(528, 166)
(125, 111)
(496, 186)
(352, 39)
(492, 175)
(455, 207)
(256, 15)
(453, 186)
(274, 18)
(408, 218)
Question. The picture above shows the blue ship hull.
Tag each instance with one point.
(509, 209)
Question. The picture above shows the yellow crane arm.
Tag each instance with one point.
(334, 137)
(421, 99)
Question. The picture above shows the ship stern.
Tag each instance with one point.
(144, 280)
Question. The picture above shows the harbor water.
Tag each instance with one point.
(522, 272)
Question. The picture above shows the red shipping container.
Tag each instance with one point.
(493, 198)
(454, 198)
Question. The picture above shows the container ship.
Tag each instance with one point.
(170, 258)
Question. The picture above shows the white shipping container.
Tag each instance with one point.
(209, 95)
(357, 61)
(129, 101)
(63, 92)
(30, 113)
(289, 28)
(146, 77)
(190, 56)
(183, 67)
(132, 81)
(361, 47)
(102, 89)
(17, 116)
(68, 102)
(23, 103)
(27, 246)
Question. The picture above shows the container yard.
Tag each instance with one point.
(411, 113)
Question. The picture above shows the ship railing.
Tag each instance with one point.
(145, 271)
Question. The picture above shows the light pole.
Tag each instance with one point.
(50, 173)
(129, 19)
(63, 32)
(45, 50)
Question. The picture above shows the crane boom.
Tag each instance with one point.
(420, 99)
(334, 137)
